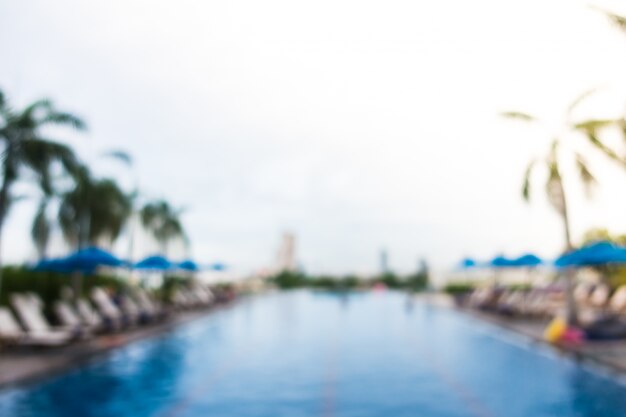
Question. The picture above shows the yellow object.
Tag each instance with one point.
(555, 330)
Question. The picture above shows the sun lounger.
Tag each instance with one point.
(618, 301)
(69, 317)
(204, 296)
(181, 299)
(512, 303)
(582, 292)
(90, 317)
(132, 311)
(34, 322)
(148, 304)
(12, 333)
(599, 298)
(108, 310)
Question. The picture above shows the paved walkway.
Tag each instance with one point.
(21, 365)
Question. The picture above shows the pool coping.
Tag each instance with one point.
(588, 352)
(21, 367)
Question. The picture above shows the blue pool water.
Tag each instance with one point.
(321, 354)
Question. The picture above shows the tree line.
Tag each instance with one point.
(88, 210)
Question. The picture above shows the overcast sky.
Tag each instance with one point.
(355, 124)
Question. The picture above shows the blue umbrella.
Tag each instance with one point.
(155, 263)
(467, 263)
(527, 260)
(188, 265)
(84, 260)
(501, 262)
(599, 253)
(218, 266)
(52, 265)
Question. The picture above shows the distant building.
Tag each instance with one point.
(286, 257)
(384, 261)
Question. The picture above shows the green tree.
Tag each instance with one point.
(94, 211)
(162, 220)
(26, 150)
(43, 223)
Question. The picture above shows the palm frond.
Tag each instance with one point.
(596, 142)
(119, 155)
(62, 118)
(587, 178)
(40, 154)
(574, 104)
(594, 124)
(26, 118)
(616, 19)
(518, 116)
(526, 183)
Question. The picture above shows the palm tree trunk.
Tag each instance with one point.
(571, 313)
(4, 205)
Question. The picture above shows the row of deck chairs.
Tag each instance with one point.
(593, 301)
(532, 303)
(86, 318)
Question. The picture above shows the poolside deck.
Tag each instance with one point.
(20, 365)
(608, 354)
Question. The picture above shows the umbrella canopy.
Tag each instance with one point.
(467, 263)
(501, 262)
(188, 265)
(218, 267)
(527, 260)
(84, 260)
(52, 265)
(599, 253)
(155, 263)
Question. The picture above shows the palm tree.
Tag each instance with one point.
(552, 162)
(95, 210)
(42, 226)
(163, 222)
(26, 149)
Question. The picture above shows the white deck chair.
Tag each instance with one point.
(582, 292)
(69, 317)
(147, 304)
(204, 295)
(600, 296)
(11, 332)
(106, 307)
(182, 299)
(618, 300)
(88, 315)
(34, 322)
(130, 309)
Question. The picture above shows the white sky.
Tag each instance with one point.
(356, 124)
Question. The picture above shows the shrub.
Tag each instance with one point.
(458, 288)
(48, 285)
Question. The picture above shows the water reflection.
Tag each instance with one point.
(592, 395)
(137, 379)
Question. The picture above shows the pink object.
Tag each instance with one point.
(379, 286)
(573, 335)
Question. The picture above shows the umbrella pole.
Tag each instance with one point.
(77, 279)
(570, 303)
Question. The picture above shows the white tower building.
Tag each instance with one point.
(286, 259)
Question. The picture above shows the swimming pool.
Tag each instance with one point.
(321, 354)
